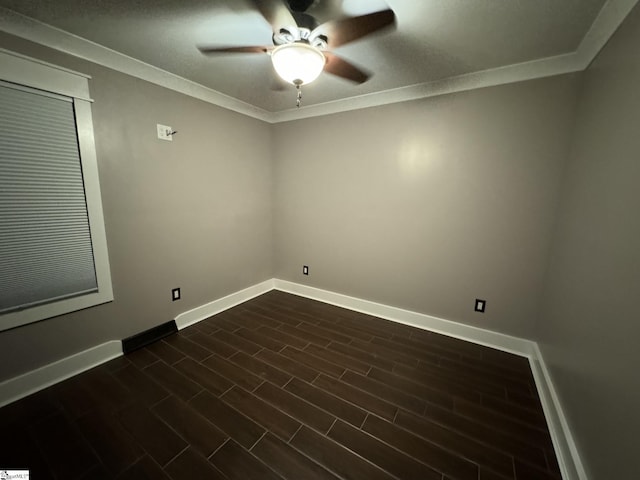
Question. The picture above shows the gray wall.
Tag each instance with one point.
(428, 205)
(195, 213)
(590, 325)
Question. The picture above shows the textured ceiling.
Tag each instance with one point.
(433, 40)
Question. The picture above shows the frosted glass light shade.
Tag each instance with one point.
(297, 63)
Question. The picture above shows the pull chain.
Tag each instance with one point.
(299, 99)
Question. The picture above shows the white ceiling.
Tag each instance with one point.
(438, 45)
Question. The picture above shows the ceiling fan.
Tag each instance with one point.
(302, 47)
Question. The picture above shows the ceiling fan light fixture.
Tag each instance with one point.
(298, 63)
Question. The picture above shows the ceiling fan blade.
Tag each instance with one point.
(276, 12)
(248, 49)
(341, 68)
(345, 30)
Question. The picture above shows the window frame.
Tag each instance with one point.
(22, 70)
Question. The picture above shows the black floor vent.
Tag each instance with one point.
(148, 336)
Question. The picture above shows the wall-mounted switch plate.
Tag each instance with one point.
(305, 270)
(165, 133)
(480, 305)
(175, 294)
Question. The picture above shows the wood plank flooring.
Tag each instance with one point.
(283, 387)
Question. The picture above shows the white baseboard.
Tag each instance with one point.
(566, 450)
(43, 377)
(202, 312)
(564, 445)
(497, 340)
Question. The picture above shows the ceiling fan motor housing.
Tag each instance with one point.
(300, 5)
(309, 45)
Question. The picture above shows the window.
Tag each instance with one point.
(53, 253)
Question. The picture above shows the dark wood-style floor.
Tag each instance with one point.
(286, 387)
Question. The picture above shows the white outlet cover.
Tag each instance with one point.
(164, 133)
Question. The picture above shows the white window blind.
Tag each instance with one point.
(46, 251)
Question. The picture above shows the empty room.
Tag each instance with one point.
(319, 239)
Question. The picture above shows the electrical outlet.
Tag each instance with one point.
(175, 294)
(305, 270)
(165, 133)
(480, 305)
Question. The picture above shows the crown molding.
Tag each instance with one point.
(604, 26)
(606, 23)
(38, 32)
(545, 67)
